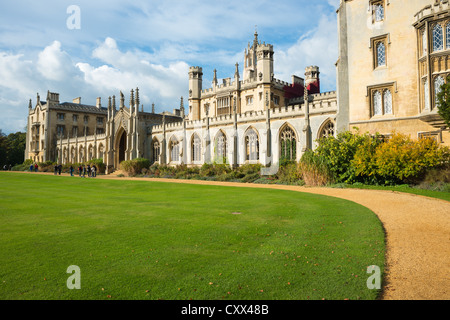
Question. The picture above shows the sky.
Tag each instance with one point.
(98, 48)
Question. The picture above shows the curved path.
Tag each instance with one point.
(417, 236)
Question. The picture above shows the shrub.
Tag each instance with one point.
(288, 172)
(337, 153)
(401, 159)
(315, 169)
(134, 167)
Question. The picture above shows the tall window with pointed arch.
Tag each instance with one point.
(251, 145)
(288, 144)
(156, 150)
(220, 147)
(381, 101)
(327, 129)
(196, 147)
(174, 147)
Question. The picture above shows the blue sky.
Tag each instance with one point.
(121, 45)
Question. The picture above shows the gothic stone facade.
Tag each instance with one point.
(393, 57)
(256, 119)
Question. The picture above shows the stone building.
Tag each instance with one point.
(256, 119)
(393, 57)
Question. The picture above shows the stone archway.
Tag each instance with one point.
(120, 148)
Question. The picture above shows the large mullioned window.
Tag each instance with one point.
(252, 145)
(196, 148)
(382, 102)
(288, 144)
(220, 147)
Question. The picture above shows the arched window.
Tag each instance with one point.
(252, 145)
(90, 153)
(381, 54)
(174, 147)
(196, 146)
(437, 38)
(221, 147)
(327, 130)
(377, 103)
(101, 150)
(387, 101)
(156, 150)
(288, 144)
(438, 82)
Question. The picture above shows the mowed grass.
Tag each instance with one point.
(150, 240)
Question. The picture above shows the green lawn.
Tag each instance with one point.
(150, 240)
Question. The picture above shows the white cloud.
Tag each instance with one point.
(54, 64)
(126, 70)
(318, 47)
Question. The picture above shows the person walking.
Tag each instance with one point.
(84, 171)
(71, 171)
(94, 171)
(88, 171)
(59, 169)
(35, 167)
(31, 168)
(80, 170)
(56, 169)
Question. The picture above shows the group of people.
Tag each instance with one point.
(83, 170)
(34, 167)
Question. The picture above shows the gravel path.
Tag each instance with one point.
(417, 236)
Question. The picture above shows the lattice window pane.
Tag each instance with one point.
(437, 38)
(377, 107)
(438, 82)
(196, 148)
(426, 94)
(221, 147)
(447, 35)
(252, 145)
(379, 12)
(381, 54)
(387, 97)
(288, 144)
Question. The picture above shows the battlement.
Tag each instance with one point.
(431, 9)
(195, 69)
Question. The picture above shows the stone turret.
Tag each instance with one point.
(195, 91)
(312, 81)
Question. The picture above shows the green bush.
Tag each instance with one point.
(288, 172)
(402, 159)
(338, 153)
(134, 167)
(315, 169)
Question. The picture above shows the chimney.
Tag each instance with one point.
(99, 102)
(77, 100)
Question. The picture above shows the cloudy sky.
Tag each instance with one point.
(120, 45)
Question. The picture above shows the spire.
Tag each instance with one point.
(132, 98)
(153, 107)
(114, 102)
(182, 108)
(255, 42)
(30, 105)
(215, 77)
(236, 72)
(137, 97)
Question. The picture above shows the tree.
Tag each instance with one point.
(12, 148)
(444, 102)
